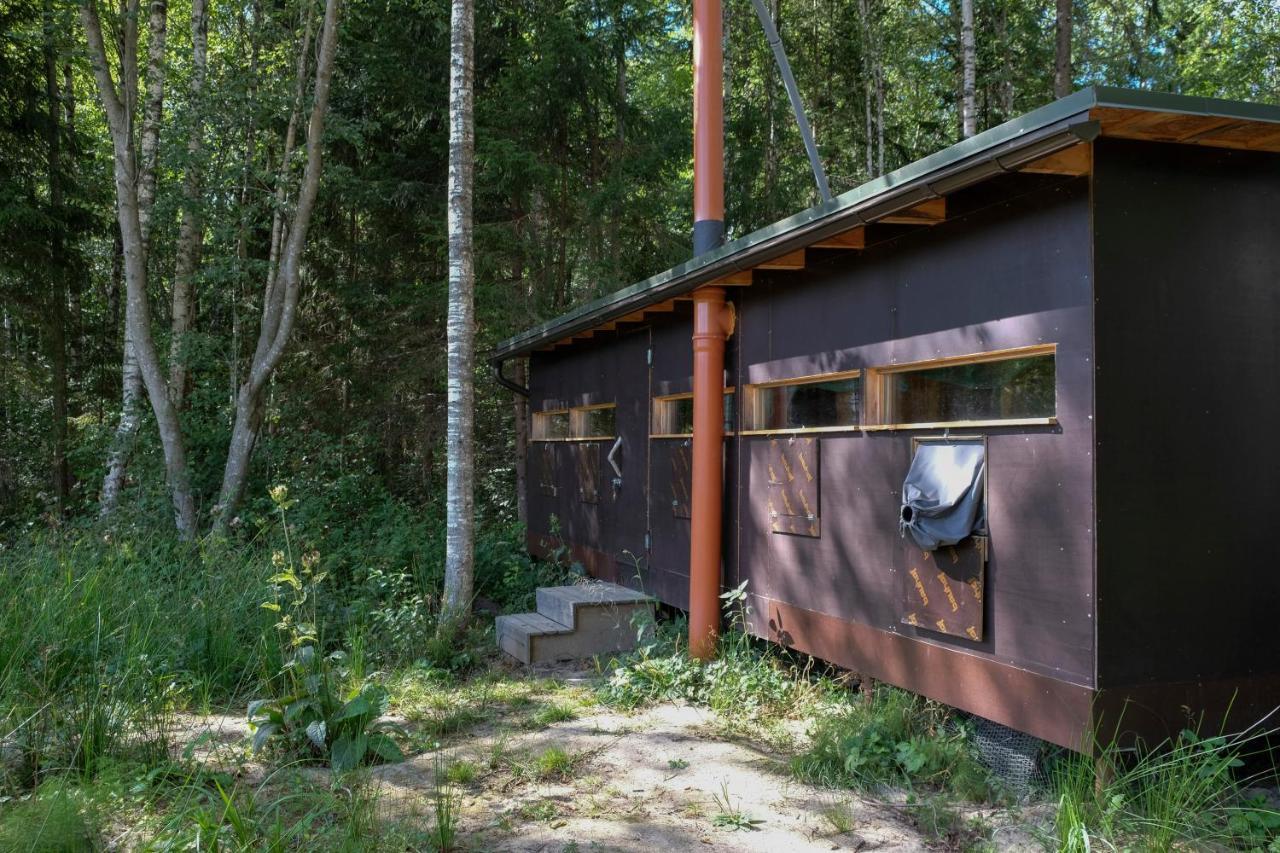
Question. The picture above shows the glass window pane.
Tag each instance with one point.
(675, 416)
(837, 402)
(551, 425)
(599, 423)
(991, 390)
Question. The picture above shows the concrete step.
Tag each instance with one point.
(574, 622)
(562, 603)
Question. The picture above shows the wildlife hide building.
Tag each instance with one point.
(1076, 312)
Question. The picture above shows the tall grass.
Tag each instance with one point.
(100, 642)
(1189, 793)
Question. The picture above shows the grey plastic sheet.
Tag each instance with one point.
(943, 493)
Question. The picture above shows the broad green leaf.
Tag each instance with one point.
(347, 752)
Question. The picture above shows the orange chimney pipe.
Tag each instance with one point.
(708, 127)
(712, 324)
(713, 320)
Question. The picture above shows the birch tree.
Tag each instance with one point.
(969, 72)
(284, 268)
(459, 566)
(135, 183)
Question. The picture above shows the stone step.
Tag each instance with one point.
(575, 622)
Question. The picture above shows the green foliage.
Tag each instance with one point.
(553, 763)
(444, 804)
(748, 679)
(314, 716)
(890, 738)
(53, 820)
(729, 814)
(1184, 793)
(101, 640)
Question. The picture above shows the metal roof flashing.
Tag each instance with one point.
(1002, 148)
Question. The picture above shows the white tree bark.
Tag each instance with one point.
(190, 229)
(133, 208)
(282, 288)
(969, 73)
(459, 561)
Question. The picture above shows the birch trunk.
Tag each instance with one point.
(282, 288)
(1062, 75)
(459, 561)
(133, 201)
(190, 229)
(969, 72)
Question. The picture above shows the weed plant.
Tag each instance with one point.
(890, 738)
(1184, 794)
(748, 678)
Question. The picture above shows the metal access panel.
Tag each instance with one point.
(588, 467)
(545, 459)
(944, 590)
(793, 489)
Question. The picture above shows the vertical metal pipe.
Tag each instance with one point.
(708, 126)
(712, 323)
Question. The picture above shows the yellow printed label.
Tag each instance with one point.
(805, 467)
(946, 587)
(972, 632)
(924, 596)
(976, 588)
(942, 626)
(786, 466)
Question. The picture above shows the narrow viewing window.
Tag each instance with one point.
(1020, 387)
(550, 426)
(821, 402)
(595, 421)
(673, 415)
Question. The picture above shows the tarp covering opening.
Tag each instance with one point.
(942, 497)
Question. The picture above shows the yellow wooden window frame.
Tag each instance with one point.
(878, 404)
(752, 408)
(658, 414)
(579, 419)
(538, 431)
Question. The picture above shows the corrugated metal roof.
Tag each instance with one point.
(957, 165)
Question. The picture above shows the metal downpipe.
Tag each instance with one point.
(713, 321)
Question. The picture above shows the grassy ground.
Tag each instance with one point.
(128, 670)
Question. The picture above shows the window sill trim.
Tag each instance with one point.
(1007, 422)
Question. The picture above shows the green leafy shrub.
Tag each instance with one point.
(747, 677)
(893, 738)
(314, 716)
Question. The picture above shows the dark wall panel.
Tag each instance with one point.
(1013, 274)
(1188, 310)
(611, 371)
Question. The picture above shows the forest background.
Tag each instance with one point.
(583, 185)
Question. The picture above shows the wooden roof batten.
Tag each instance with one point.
(1053, 140)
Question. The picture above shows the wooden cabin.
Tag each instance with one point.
(1090, 292)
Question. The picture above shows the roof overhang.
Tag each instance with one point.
(1039, 137)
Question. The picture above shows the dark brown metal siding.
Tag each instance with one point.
(1010, 274)
(1014, 274)
(612, 371)
(1188, 344)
